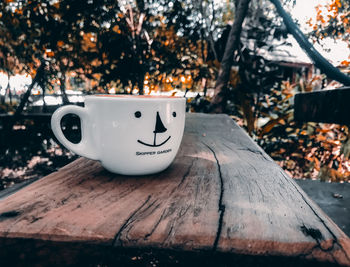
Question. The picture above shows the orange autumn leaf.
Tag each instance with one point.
(49, 53)
(116, 29)
(19, 11)
(334, 142)
(321, 138)
(272, 123)
(345, 63)
(317, 163)
(60, 43)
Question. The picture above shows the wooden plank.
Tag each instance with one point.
(222, 194)
(329, 106)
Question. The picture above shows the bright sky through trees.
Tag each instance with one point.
(303, 11)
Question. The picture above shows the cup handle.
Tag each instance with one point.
(84, 147)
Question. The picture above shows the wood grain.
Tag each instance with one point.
(331, 106)
(222, 194)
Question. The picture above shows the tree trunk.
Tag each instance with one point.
(64, 96)
(8, 89)
(205, 87)
(38, 77)
(8, 92)
(212, 45)
(44, 107)
(227, 59)
(2, 99)
(140, 83)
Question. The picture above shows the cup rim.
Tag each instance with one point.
(133, 97)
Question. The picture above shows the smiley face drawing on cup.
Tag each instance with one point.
(129, 135)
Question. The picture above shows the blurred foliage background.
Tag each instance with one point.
(167, 47)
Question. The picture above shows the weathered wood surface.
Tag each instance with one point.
(329, 106)
(223, 193)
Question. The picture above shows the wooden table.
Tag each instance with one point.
(223, 201)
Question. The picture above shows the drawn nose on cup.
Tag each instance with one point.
(159, 128)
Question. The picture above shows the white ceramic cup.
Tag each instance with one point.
(130, 135)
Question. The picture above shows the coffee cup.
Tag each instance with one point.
(129, 135)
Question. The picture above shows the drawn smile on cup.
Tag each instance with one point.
(159, 128)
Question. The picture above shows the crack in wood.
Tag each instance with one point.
(155, 207)
(183, 177)
(169, 232)
(221, 205)
(65, 200)
(35, 219)
(335, 239)
(155, 226)
(255, 151)
(186, 174)
(183, 211)
(248, 149)
(117, 241)
(261, 153)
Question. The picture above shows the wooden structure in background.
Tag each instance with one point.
(330, 106)
(223, 201)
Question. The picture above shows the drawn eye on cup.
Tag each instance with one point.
(159, 128)
(138, 114)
